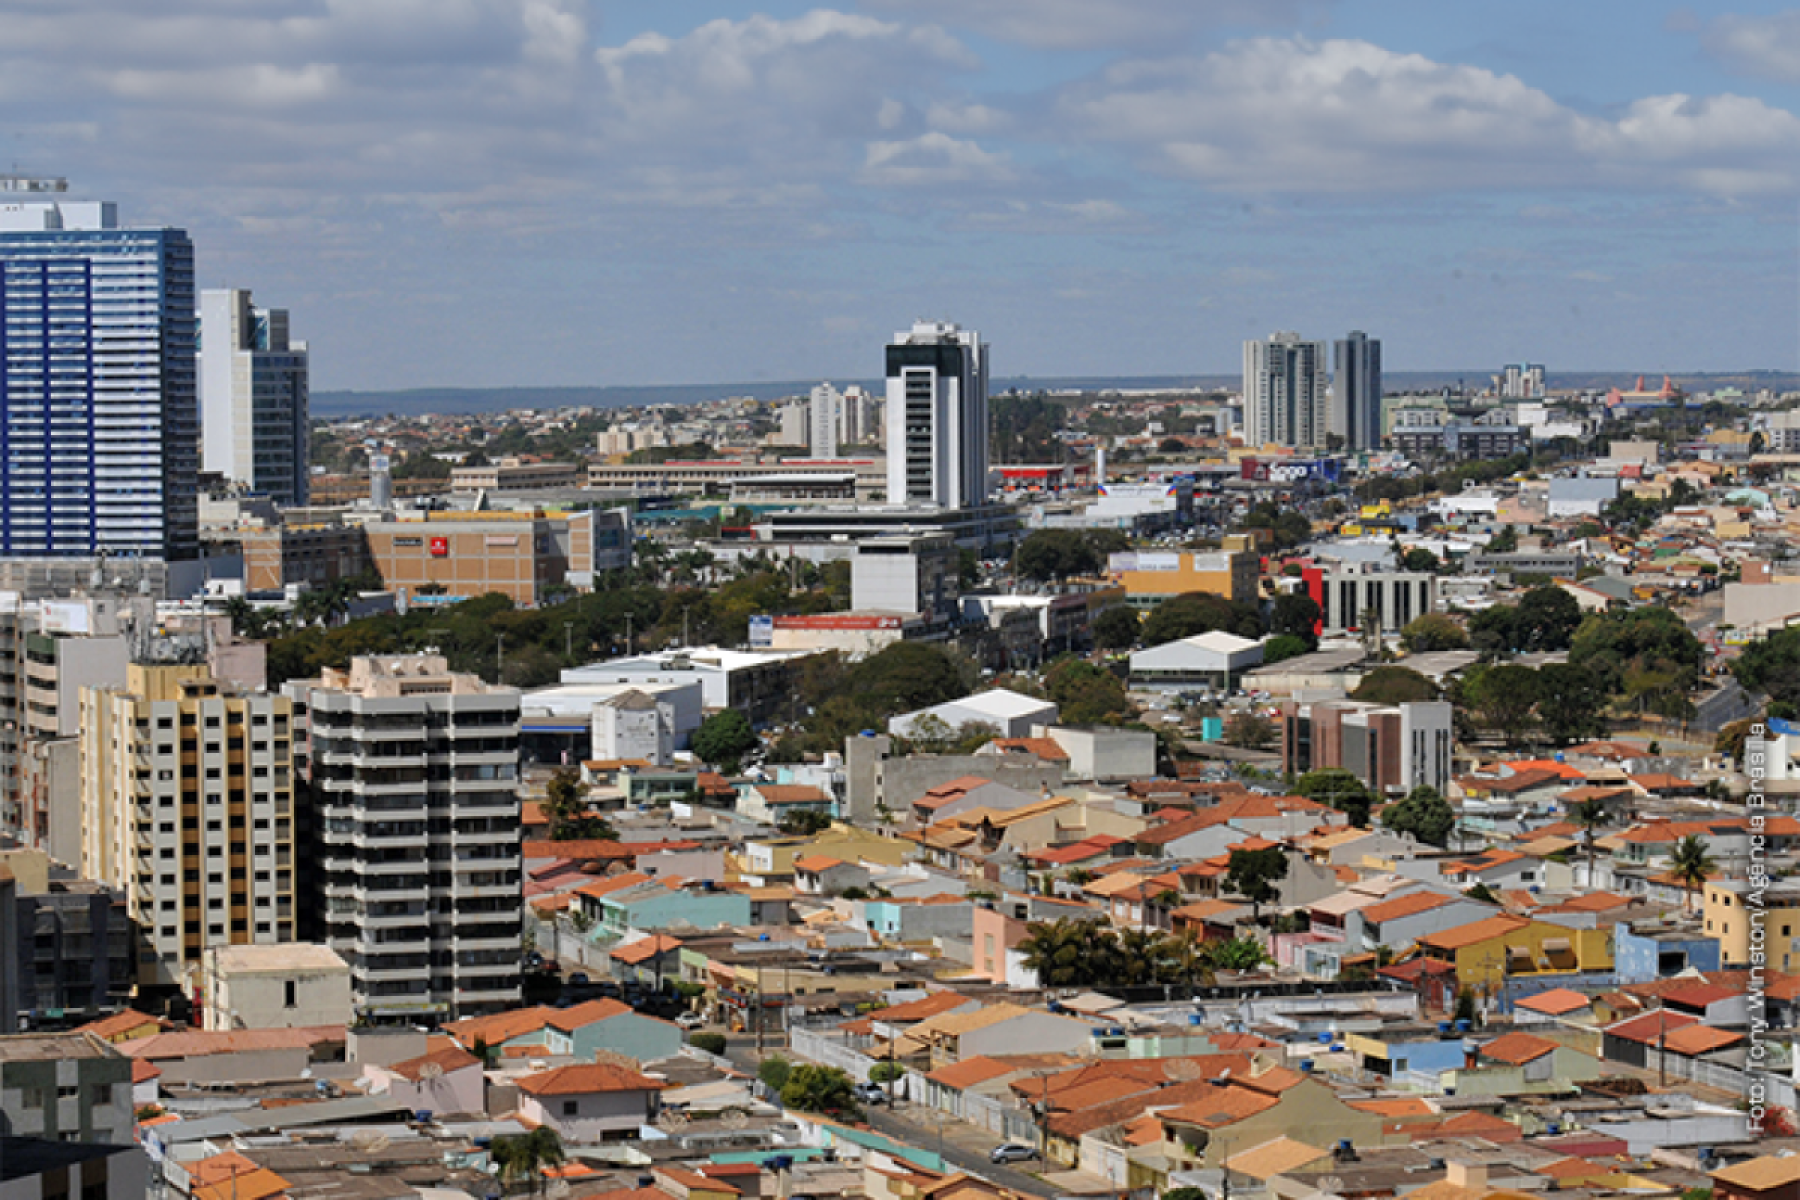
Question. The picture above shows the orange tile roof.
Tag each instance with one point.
(1517, 1049)
(584, 1079)
(644, 949)
(1405, 905)
(121, 1023)
(1556, 1002)
(1226, 1106)
(1648, 1027)
(495, 1029)
(580, 1016)
(587, 848)
(1474, 933)
(1044, 748)
(1700, 1039)
(613, 883)
(923, 1009)
(1408, 1106)
(445, 1059)
(193, 1043)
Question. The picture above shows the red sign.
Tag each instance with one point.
(440, 547)
(838, 621)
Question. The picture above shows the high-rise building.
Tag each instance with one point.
(937, 417)
(187, 802)
(254, 396)
(1284, 392)
(824, 421)
(1356, 392)
(862, 416)
(412, 829)
(1522, 381)
(98, 433)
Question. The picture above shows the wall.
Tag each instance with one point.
(258, 1000)
(596, 1117)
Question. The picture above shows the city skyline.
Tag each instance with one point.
(555, 193)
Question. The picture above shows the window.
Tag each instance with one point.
(292, 989)
(571, 1107)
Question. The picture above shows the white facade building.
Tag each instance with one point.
(254, 397)
(294, 986)
(1285, 392)
(937, 417)
(416, 868)
(1356, 392)
(825, 421)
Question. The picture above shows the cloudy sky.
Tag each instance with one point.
(543, 192)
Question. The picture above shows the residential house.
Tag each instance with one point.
(447, 1080)
(1521, 1063)
(1769, 1177)
(960, 795)
(643, 907)
(1504, 957)
(590, 1102)
(1256, 1108)
(823, 875)
(579, 1031)
(652, 961)
(997, 1029)
(774, 803)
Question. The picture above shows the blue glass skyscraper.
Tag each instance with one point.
(99, 418)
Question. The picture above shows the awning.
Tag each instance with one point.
(1558, 946)
(1518, 952)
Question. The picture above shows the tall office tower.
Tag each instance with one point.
(824, 416)
(862, 416)
(937, 417)
(1522, 381)
(187, 805)
(98, 436)
(1356, 392)
(412, 825)
(1284, 392)
(254, 396)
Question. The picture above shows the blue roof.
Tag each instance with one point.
(1779, 725)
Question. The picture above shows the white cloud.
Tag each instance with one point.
(932, 158)
(1346, 116)
(1765, 46)
(1090, 24)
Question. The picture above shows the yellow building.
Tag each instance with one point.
(1153, 577)
(772, 858)
(1488, 952)
(187, 806)
(1728, 915)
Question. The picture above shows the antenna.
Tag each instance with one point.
(16, 182)
(369, 1141)
(430, 1070)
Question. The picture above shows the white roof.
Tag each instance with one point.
(1001, 703)
(286, 956)
(1220, 642)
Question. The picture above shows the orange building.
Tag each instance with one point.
(1149, 578)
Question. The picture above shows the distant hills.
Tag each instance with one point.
(467, 401)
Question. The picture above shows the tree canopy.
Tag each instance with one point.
(1049, 554)
(1433, 631)
(723, 739)
(1193, 613)
(1425, 814)
(1391, 684)
(1772, 665)
(1338, 788)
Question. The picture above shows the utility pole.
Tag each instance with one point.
(630, 641)
(500, 658)
(569, 640)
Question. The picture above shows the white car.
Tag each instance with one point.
(690, 1020)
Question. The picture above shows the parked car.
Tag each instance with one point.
(578, 977)
(870, 1093)
(1011, 1152)
(690, 1020)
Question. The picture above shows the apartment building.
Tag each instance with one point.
(187, 805)
(1393, 749)
(412, 828)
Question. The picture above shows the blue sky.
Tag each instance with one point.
(542, 192)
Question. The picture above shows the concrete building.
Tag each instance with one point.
(1009, 713)
(1391, 749)
(937, 417)
(67, 944)
(1580, 496)
(1521, 381)
(905, 575)
(513, 474)
(40, 1169)
(1216, 659)
(255, 397)
(569, 723)
(1352, 595)
(70, 1087)
(1284, 392)
(187, 802)
(1356, 392)
(825, 421)
(1150, 577)
(1733, 908)
(411, 775)
(753, 682)
(97, 376)
(294, 986)
(590, 1102)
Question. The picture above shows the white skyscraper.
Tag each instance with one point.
(1522, 381)
(1284, 392)
(824, 417)
(254, 396)
(98, 425)
(937, 417)
(1356, 392)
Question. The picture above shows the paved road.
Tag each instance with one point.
(901, 1126)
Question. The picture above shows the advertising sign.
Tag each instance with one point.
(440, 547)
(762, 632)
(1290, 470)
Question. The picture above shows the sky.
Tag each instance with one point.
(494, 193)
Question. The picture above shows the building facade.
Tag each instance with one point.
(937, 417)
(187, 803)
(1356, 392)
(1392, 749)
(99, 435)
(412, 827)
(255, 397)
(67, 949)
(1284, 392)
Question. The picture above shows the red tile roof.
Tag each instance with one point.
(586, 1079)
(1518, 1048)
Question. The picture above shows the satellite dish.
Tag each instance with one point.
(430, 1070)
(1330, 1184)
(369, 1141)
(1182, 1070)
(734, 1118)
(612, 1058)
(671, 1119)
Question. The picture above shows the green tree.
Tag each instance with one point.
(524, 1157)
(1052, 554)
(565, 808)
(1424, 813)
(711, 1043)
(1651, 646)
(1419, 559)
(1086, 694)
(1068, 952)
(1505, 697)
(1193, 613)
(805, 822)
(1691, 865)
(1547, 619)
(1248, 729)
(1116, 628)
(1253, 874)
(1391, 684)
(1591, 816)
(812, 1088)
(1298, 614)
(723, 739)
(1338, 788)
(1238, 954)
(1280, 649)
(1571, 704)
(1772, 665)
(774, 1071)
(1433, 631)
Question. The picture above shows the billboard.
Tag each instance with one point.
(1143, 560)
(1290, 470)
(440, 547)
(762, 632)
(833, 621)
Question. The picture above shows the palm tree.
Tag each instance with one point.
(1691, 865)
(1068, 952)
(526, 1156)
(1591, 815)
